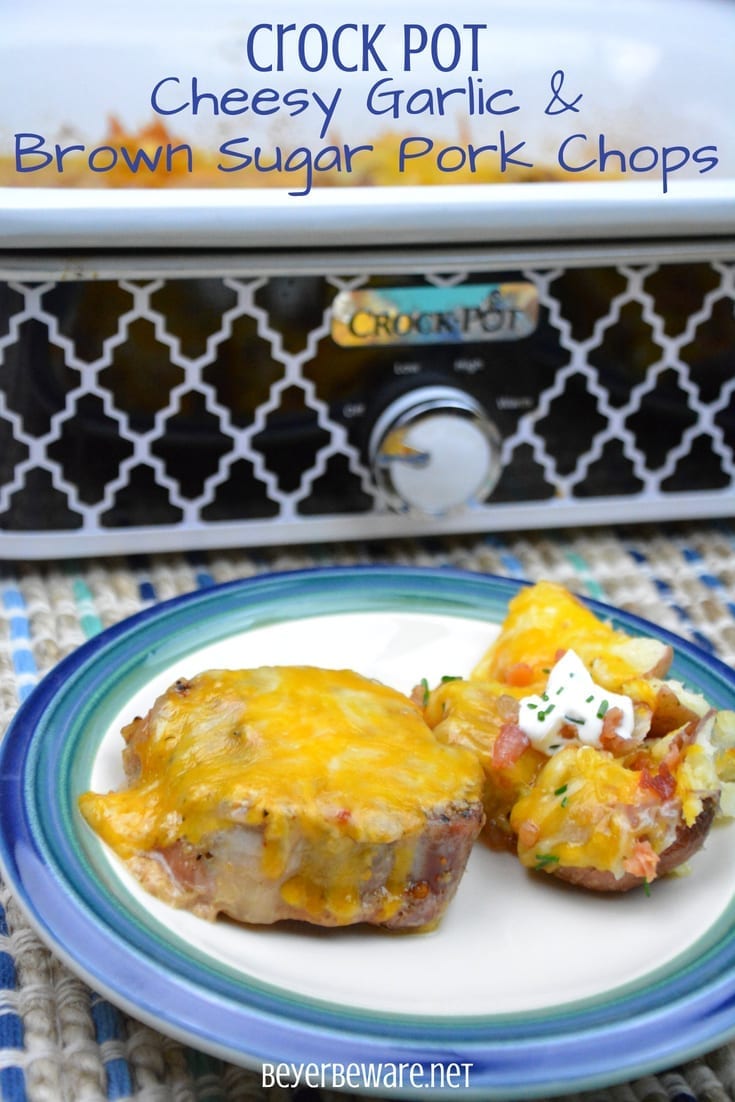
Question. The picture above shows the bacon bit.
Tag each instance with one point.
(637, 761)
(663, 783)
(510, 744)
(528, 833)
(609, 739)
(642, 862)
(559, 654)
(520, 674)
(344, 815)
(688, 733)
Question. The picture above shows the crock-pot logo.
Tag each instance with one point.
(435, 315)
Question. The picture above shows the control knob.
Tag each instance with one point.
(434, 450)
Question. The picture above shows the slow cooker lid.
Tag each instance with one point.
(498, 123)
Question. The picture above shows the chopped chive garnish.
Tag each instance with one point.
(564, 802)
(451, 677)
(573, 719)
(589, 699)
(647, 887)
(545, 669)
(604, 705)
(544, 696)
(554, 746)
(560, 690)
(425, 686)
(532, 707)
(544, 859)
(561, 791)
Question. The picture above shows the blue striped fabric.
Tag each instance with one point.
(12, 1079)
(517, 557)
(110, 1026)
(108, 1022)
(24, 663)
(711, 581)
(667, 595)
(511, 563)
(200, 567)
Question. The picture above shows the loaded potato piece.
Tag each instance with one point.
(597, 770)
(611, 810)
(593, 821)
(292, 793)
(544, 622)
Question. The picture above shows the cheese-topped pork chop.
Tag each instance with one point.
(292, 793)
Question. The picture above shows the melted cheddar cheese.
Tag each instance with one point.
(471, 714)
(587, 810)
(544, 619)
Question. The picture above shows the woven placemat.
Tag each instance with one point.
(61, 1042)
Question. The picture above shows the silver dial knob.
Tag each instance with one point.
(434, 450)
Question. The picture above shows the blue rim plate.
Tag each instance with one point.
(485, 998)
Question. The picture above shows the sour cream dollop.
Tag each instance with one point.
(572, 698)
